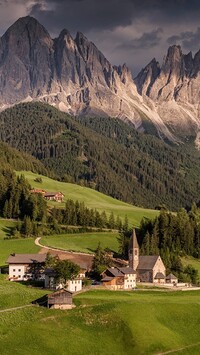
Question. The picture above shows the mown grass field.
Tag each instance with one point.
(92, 198)
(104, 322)
(82, 242)
(13, 245)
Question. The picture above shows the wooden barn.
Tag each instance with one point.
(61, 299)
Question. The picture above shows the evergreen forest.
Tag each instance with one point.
(105, 154)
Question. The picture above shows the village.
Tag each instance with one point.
(126, 275)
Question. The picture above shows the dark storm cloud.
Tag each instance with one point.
(189, 40)
(108, 14)
(83, 15)
(147, 40)
(124, 30)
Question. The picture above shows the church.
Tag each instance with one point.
(149, 268)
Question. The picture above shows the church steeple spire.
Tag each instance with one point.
(133, 251)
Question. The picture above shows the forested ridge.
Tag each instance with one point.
(105, 154)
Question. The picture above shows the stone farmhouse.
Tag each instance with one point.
(23, 267)
(149, 268)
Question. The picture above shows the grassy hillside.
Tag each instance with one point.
(189, 260)
(83, 242)
(13, 245)
(92, 198)
(106, 154)
(132, 323)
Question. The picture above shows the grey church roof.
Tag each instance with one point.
(159, 275)
(147, 262)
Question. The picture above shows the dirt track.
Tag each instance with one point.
(82, 259)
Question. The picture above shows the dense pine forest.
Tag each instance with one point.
(105, 154)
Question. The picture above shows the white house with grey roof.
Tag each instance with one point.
(23, 267)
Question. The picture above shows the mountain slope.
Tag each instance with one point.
(174, 88)
(71, 74)
(105, 154)
(11, 157)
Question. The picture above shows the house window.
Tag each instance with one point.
(13, 270)
(19, 269)
(135, 251)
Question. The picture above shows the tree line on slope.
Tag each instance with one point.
(170, 235)
(17, 202)
(105, 154)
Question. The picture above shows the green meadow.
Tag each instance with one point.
(8, 246)
(103, 322)
(93, 199)
(82, 242)
(191, 261)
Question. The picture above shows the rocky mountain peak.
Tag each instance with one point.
(74, 75)
(28, 27)
(173, 61)
(147, 77)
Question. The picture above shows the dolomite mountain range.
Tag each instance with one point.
(73, 75)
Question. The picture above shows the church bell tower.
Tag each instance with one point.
(133, 252)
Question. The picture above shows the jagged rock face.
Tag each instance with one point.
(25, 60)
(175, 89)
(73, 75)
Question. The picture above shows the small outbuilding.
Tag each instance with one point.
(61, 299)
(171, 279)
(159, 278)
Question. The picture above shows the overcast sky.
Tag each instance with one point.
(130, 31)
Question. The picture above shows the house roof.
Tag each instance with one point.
(114, 271)
(59, 292)
(26, 258)
(127, 270)
(171, 276)
(159, 275)
(147, 262)
(117, 272)
(107, 278)
(50, 194)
